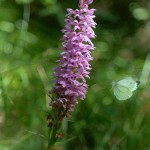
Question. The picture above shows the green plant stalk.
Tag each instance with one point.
(52, 139)
(53, 131)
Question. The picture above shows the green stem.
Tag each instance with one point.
(53, 131)
(52, 138)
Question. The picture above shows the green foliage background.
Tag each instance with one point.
(29, 47)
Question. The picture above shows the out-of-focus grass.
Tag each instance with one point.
(29, 46)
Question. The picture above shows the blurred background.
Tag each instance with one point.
(30, 42)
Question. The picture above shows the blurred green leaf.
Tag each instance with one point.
(24, 1)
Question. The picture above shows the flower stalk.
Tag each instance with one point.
(69, 84)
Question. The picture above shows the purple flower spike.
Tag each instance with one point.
(70, 84)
